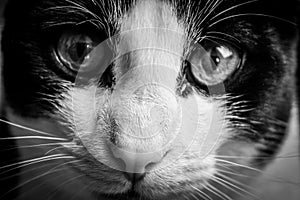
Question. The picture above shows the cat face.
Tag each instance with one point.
(151, 99)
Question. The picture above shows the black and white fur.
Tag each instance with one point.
(61, 128)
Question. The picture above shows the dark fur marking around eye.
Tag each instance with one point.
(44, 21)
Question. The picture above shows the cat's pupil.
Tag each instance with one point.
(215, 61)
(78, 52)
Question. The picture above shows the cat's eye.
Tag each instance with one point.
(78, 52)
(212, 64)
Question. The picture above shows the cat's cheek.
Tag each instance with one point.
(79, 111)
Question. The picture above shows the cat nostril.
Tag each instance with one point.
(134, 177)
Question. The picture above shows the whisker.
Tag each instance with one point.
(54, 149)
(251, 14)
(225, 34)
(214, 39)
(95, 22)
(25, 128)
(38, 145)
(56, 156)
(231, 187)
(68, 9)
(213, 7)
(50, 158)
(83, 9)
(235, 181)
(31, 180)
(217, 192)
(60, 176)
(231, 8)
(239, 165)
(234, 172)
(33, 137)
(49, 25)
(26, 170)
(201, 193)
(196, 198)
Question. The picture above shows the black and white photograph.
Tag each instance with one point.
(149, 100)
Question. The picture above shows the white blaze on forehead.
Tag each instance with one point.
(150, 48)
(150, 34)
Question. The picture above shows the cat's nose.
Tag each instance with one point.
(134, 164)
(134, 177)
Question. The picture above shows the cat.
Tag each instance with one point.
(140, 99)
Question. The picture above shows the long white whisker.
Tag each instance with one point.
(231, 8)
(251, 14)
(217, 192)
(214, 39)
(56, 156)
(233, 172)
(221, 33)
(217, 3)
(54, 149)
(39, 145)
(235, 181)
(25, 128)
(83, 9)
(230, 186)
(49, 25)
(201, 192)
(37, 162)
(27, 170)
(30, 180)
(195, 197)
(34, 137)
(237, 164)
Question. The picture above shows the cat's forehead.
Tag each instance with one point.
(145, 14)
